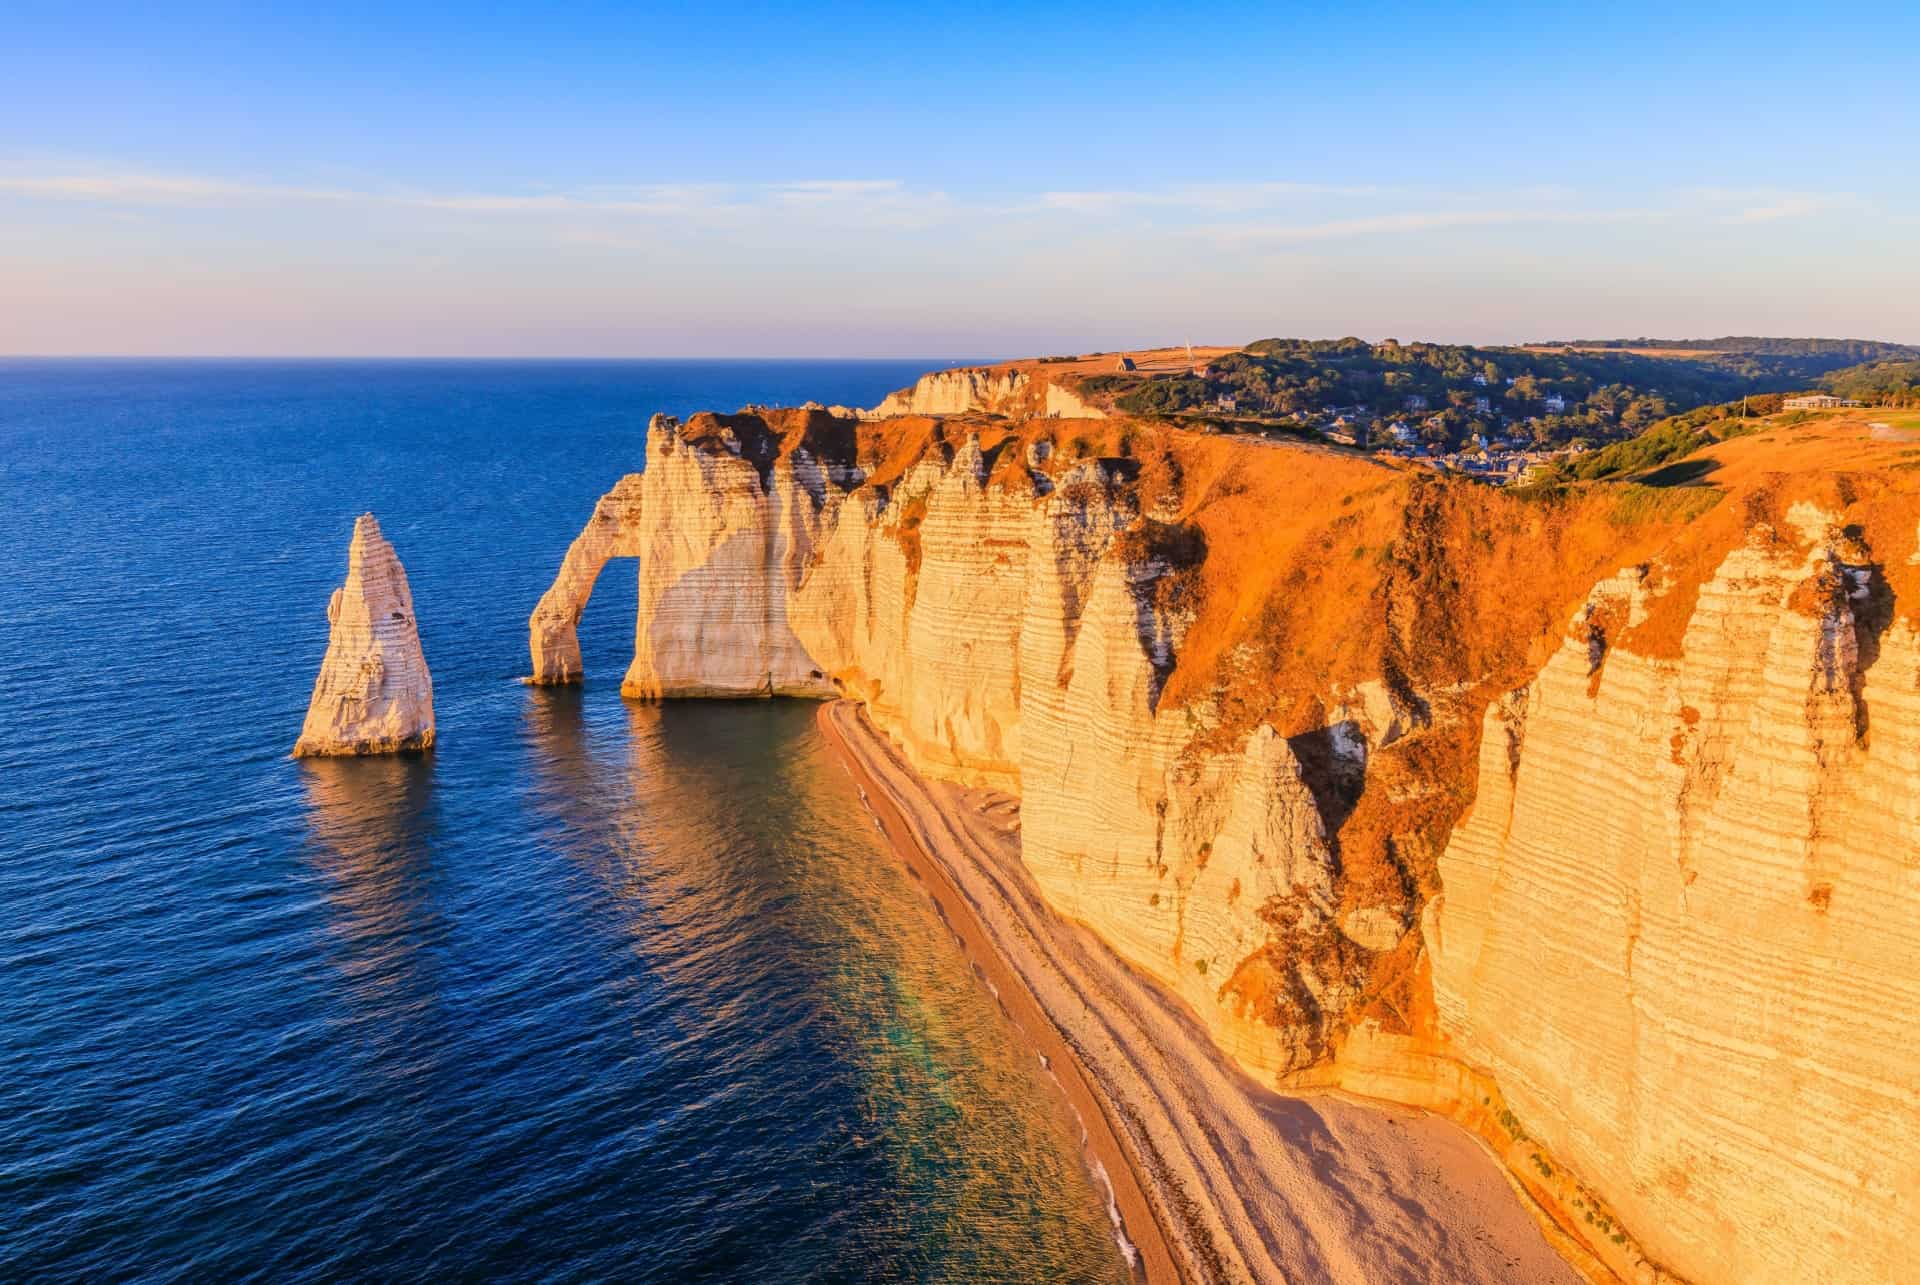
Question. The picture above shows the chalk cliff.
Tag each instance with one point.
(1588, 818)
(612, 532)
(988, 390)
(1681, 926)
(373, 694)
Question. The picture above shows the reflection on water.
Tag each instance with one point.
(372, 825)
(817, 1014)
(555, 732)
(594, 993)
(363, 809)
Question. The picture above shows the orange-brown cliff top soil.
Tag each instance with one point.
(766, 435)
(1860, 466)
(1323, 572)
(1309, 571)
(1066, 369)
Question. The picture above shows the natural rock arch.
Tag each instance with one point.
(553, 629)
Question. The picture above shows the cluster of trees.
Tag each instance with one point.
(1450, 393)
(1766, 360)
(1878, 383)
(1673, 437)
(1892, 383)
(1836, 352)
(1669, 440)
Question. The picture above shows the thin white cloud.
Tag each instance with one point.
(1413, 221)
(1789, 208)
(1229, 215)
(1792, 207)
(820, 190)
(139, 189)
(1768, 204)
(664, 201)
(158, 189)
(1201, 197)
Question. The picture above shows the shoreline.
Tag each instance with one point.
(1215, 1178)
(1136, 1227)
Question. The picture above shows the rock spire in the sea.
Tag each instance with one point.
(373, 695)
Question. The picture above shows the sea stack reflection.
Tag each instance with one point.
(373, 694)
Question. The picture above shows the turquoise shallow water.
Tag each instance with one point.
(594, 991)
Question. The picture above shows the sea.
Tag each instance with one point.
(595, 990)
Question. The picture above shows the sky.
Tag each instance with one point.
(594, 179)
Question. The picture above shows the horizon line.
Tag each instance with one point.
(131, 356)
(951, 360)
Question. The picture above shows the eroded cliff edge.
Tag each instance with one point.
(1590, 818)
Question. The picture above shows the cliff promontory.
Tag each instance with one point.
(1587, 816)
(1017, 390)
(373, 694)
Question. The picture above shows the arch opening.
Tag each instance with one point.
(553, 633)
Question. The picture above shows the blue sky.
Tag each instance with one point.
(877, 180)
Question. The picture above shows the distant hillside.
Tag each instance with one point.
(1851, 351)
(1878, 383)
(1757, 357)
(1676, 437)
(1447, 393)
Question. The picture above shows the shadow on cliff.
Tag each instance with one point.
(1873, 615)
(1335, 779)
(1687, 472)
(737, 594)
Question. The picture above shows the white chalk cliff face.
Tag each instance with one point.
(996, 634)
(1681, 926)
(373, 694)
(987, 391)
(1675, 948)
(612, 532)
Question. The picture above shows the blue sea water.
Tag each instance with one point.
(594, 991)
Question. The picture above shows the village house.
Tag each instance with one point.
(1416, 402)
(1555, 403)
(1817, 401)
